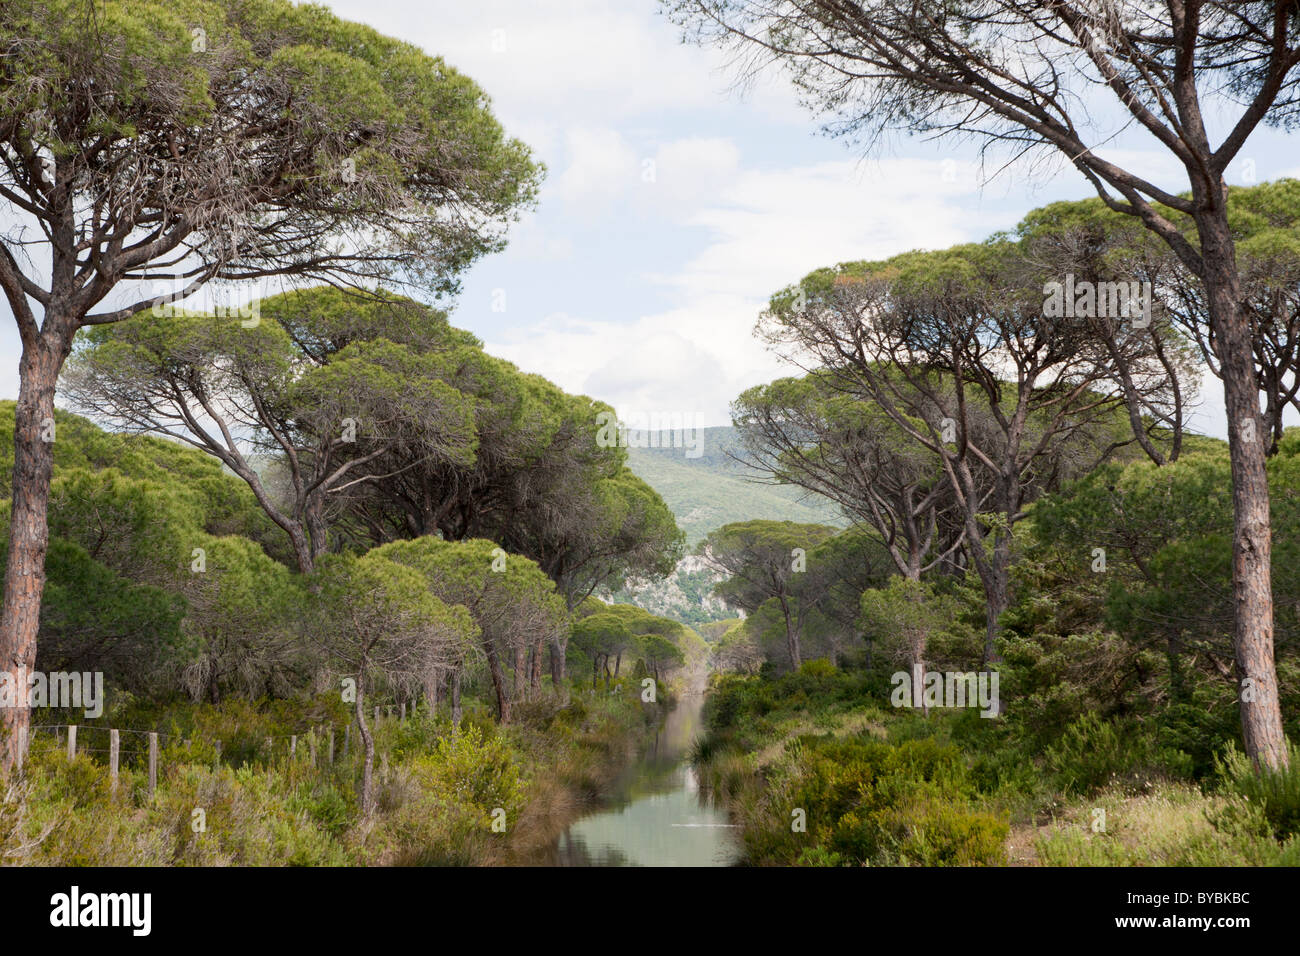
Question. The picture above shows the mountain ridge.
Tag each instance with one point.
(705, 487)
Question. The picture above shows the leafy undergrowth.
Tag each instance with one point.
(1172, 825)
(439, 793)
(816, 773)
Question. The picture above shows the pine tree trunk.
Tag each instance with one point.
(559, 677)
(997, 587)
(498, 681)
(455, 701)
(520, 675)
(535, 672)
(34, 435)
(1261, 715)
(791, 637)
(368, 749)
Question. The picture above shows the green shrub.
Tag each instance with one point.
(1093, 753)
(869, 801)
(474, 772)
(1275, 792)
(942, 834)
(331, 810)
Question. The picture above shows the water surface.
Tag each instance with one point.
(656, 815)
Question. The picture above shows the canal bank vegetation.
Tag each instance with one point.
(427, 614)
(818, 769)
(1028, 509)
(479, 793)
(1113, 735)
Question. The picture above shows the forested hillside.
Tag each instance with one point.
(713, 489)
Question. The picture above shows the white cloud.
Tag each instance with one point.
(694, 360)
(602, 167)
(605, 172)
(764, 229)
(580, 57)
(770, 228)
(693, 170)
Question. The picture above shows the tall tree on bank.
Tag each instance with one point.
(804, 432)
(1095, 243)
(1014, 73)
(513, 603)
(589, 534)
(381, 622)
(236, 392)
(152, 146)
(954, 348)
(768, 561)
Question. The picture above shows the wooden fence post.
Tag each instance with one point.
(403, 711)
(114, 742)
(22, 746)
(293, 745)
(72, 741)
(218, 763)
(153, 764)
(347, 740)
(311, 746)
(331, 747)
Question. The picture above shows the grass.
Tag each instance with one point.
(1172, 825)
(885, 787)
(439, 794)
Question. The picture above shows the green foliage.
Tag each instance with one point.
(1093, 753)
(760, 558)
(1149, 633)
(817, 669)
(437, 789)
(256, 60)
(868, 801)
(905, 619)
(711, 490)
(95, 620)
(477, 774)
(1275, 792)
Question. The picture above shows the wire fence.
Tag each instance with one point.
(320, 739)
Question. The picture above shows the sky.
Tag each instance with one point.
(675, 204)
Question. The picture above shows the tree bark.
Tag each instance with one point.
(455, 701)
(28, 525)
(1261, 715)
(368, 749)
(997, 597)
(791, 637)
(559, 676)
(535, 671)
(317, 531)
(498, 680)
(431, 692)
(520, 675)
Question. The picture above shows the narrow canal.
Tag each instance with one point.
(656, 815)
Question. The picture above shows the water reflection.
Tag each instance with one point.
(656, 816)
